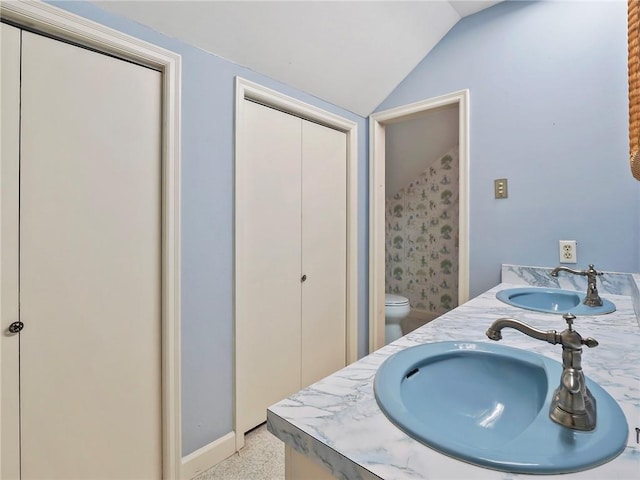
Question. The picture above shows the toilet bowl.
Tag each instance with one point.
(396, 307)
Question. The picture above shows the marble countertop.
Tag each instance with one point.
(337, 422)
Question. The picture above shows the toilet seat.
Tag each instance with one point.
(391, 300)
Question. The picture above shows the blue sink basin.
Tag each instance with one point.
(552, 300)
(488, 404)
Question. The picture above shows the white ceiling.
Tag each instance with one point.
(349, 53)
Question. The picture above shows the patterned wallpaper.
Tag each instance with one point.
(422, 238)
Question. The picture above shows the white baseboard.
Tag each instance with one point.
(206, 457)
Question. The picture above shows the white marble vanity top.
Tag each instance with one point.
(337, 422)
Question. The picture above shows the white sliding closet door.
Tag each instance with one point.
(268, 305)
(324, 251)
(89, 265)
(9, 273)
(290, 258)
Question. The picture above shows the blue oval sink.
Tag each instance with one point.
(488, 404)
(552, 300)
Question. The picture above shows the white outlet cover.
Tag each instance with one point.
(568, 251)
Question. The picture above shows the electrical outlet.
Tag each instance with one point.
(568, 252)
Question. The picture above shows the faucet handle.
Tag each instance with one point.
(592, 270)
(569, 318)
(589, 342)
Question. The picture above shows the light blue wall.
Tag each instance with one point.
(548, 111)
(207, 225)
(548, 91)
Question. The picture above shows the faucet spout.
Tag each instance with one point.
(494, 332)
(554, 272)
(573, 405)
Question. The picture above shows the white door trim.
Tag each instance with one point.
(246, 89)
(63, 25)
(377, 123)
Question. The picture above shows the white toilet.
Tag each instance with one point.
(396, 307)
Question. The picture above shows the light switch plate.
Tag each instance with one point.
(500, 188)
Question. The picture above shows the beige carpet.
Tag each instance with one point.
(262, 458)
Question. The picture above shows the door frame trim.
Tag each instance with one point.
(377, 123)
(63, 25)
(245, 89)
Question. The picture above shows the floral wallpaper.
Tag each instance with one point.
(422, 238)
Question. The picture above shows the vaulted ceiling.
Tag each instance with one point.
(349, 53)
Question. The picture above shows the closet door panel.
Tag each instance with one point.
(9, 168)
(90, 246)
(268, 263)
(324, 223)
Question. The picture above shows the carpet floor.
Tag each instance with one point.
(262, 458)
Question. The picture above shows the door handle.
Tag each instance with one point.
(304, 278)
(15, 327)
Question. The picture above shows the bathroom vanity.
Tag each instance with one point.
(336, 428)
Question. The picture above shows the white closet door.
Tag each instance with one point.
(9, 168)
(324, 251)
(268, 263)
(90, 269)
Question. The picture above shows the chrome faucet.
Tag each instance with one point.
(592, 299)
(573, 405)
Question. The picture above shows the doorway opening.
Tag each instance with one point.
(419, 210)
